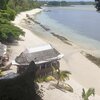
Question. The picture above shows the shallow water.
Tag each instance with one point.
(81, 24)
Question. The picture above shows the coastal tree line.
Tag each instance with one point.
(66, 3)
(97, 5)
(8, 11)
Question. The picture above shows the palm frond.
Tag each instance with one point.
(83, 93)
(86, 95)
(64, 75)
(90, 92)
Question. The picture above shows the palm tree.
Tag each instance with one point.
(86, 95)
(62, 76)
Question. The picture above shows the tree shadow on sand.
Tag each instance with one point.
(62, 87)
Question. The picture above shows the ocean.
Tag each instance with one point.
(80, 24)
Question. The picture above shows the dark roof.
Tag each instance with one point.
(2, 49)
(41, 56)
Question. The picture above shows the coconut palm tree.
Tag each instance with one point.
(86, 95)
(62, 76)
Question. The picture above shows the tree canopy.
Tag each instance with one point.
(9, 31)
(21, 5)
(8, 11)
(67, 3)
(97, 5)
(3, 4)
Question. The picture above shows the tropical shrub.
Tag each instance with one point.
(3, 4)
(62, 76)
(4, 21)
(8, 10)
(12, 13)
(9, 31)
(86, 95)
(8, 14)
(45, 79)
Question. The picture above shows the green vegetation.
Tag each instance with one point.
(62, 76)
(22, 5)
(8, 11)
(1, 73)
(8, 14)
(45, 79)
(86, 95)
(3, 4)
(57, 3)
(9, 32)
(97, 5)
(66, 3)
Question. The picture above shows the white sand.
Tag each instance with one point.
(30, 40)
(84, 71)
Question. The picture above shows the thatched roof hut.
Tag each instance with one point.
(41, 54)
(45, 57)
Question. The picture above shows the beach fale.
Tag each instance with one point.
(45, 57)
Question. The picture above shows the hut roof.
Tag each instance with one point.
(3, 49)
(41, 54)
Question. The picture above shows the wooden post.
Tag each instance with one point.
(52, 68)
(40, 71)
(45, 69)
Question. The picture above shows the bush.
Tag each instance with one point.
(3, 4)
(8, 14)
(45, 79)
(9, 31)
(1, 73)
(12, 13)
(88, 93)
(4, 21)
(4, 15)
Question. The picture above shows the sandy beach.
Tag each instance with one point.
(30, 40)
(85, 74)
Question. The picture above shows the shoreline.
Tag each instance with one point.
(94, 59)
(71, 53)
(65, 40)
